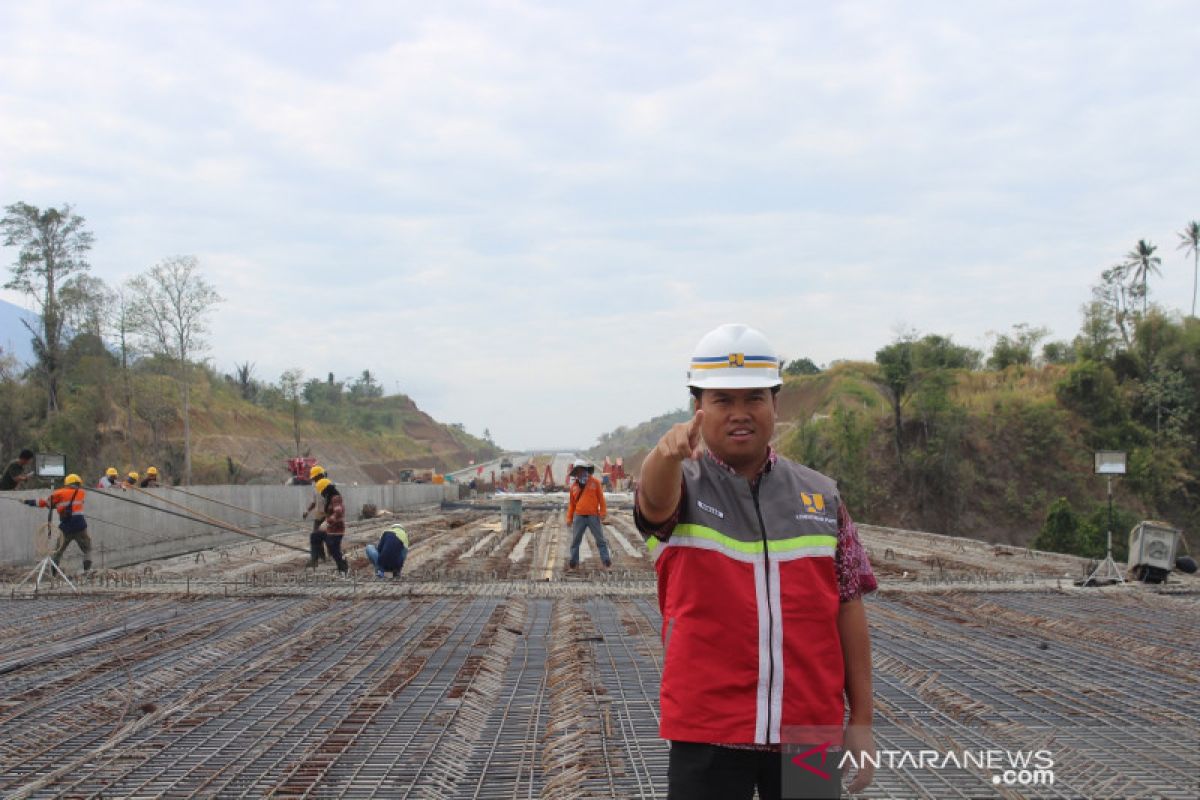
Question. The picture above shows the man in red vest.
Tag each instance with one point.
(760, 582)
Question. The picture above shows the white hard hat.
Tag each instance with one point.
(734, 356)
(579, 462)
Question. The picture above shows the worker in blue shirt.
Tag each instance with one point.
(390, 554)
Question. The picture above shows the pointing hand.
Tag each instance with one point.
(682, 441)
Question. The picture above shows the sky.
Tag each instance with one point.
(525, 215)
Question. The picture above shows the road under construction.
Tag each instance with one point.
(489, 671)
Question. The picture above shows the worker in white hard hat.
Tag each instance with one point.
(586, 510)
(761, 577)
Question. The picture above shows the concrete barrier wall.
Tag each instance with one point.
(123, 533)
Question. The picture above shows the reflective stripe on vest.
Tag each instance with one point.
(691, 535)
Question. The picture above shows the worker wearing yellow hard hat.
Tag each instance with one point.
(316, 539)
(110, 479)
(68, 502)
(333, 526)
(151, 479)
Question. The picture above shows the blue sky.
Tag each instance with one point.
(524, 215)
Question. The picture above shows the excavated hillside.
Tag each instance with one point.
(363, 440)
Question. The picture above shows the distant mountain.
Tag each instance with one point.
(14, 337)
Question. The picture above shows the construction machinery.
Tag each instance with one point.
(298, 467)
(1152, 548)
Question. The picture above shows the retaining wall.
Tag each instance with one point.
(123, 533)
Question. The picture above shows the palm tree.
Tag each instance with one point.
(1190, 243)
(1142, 261)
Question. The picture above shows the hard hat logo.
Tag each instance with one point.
(734, 357)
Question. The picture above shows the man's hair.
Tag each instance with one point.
(697, 391)
(26, 454)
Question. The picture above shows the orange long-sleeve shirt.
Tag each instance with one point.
(587, 500)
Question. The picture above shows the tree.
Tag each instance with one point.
(1097, 339)
(1190, 243)
(1060, 531)
(171, 304)
(53, 247)
(1141, 261)
(934, 351)
(801, 366)
(366, 386)
(243, 379)
(121, 322)
(1017, 348)
(896, 377)
(1114, 294)
(290, 384)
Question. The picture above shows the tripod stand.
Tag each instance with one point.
(40, 569)
(1107, 571)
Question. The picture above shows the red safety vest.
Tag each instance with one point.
(751, 637)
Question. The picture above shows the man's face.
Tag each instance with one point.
(738, 424)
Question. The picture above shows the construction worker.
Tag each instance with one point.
(68, 502)
(110, 479)
(333, 528)
(761, 576)
(15, 474)
(316, 539)
(131, 481)
(151, 479)
(586, 510)
(391, 553)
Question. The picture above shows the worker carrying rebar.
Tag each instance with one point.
(14, 474)
(586, 510)
(390, 554)
(316, 539)
(111, 479)
(761, 576)
(150, 481)
(68, 502)
(333, 526)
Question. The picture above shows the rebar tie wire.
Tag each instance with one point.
(230, 505)
(196, 516)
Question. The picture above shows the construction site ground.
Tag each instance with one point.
(490, 671)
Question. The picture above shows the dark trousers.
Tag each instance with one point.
(334, 542)
(711, 772)
(316, 541)
(316, 547)
(80, 538)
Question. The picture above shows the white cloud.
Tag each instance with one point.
(525, 214)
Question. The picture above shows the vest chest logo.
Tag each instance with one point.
(814, 508)
(715, 512)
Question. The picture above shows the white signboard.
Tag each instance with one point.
(50, 465)
(1110, 462)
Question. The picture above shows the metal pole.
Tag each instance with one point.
(1110, 517)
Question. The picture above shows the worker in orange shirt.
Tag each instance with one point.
(68, 502)
(586, 510)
